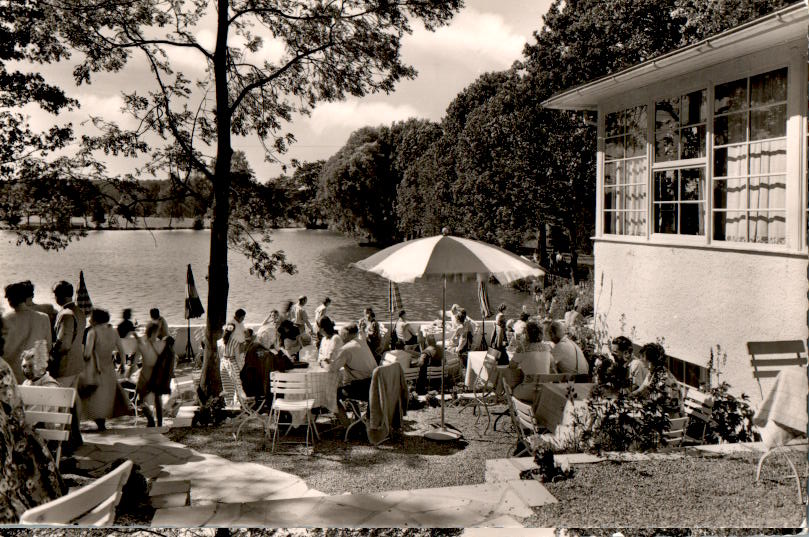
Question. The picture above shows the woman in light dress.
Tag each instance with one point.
(155, 376)
(106, 400)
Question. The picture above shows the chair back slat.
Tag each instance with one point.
(289, 383)
(37, 416)
(48, 410)
(95, 497)
(777, 362)
(782, 356)
(47, 396)
(53, 434)
(103, 514)
(796, 346)
(674, 436)
(411, 374)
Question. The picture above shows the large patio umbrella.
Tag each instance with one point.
(193, 309)
(443, 256)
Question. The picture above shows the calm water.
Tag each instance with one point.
(140, 270)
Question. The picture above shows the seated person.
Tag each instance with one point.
(567, 356)
(330, 343)
(290, 338)
(404, 332)
(659, 383)
(357, 364)
(259, 361)
(400, 355)
(308, 352)
(35, 366)
(462, 339)
(612, 371)
(268, 331)
(431, 356)
(519, 331)
(638, 372)
(530, 363)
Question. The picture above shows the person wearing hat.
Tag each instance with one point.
(299, 316)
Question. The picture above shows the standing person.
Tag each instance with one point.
(47, 309)
(238, 325)
(155, 375)
(125, 326)
(267, 333)
(499, 340)
(373, 336)
(106, 400)
(162, 325)
(463, 338)
(287, 312)
(22, 328)
(519, 331)
(320, 312)
(299, 316)
(67, 355)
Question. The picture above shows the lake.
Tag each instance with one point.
(142, 269)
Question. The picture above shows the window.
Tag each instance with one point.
(679, 166)
(749, 159)
(625, 172)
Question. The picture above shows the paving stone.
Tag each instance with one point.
(183, 517)
(532, 492)
(578, 458)
(501, 470)
(177, 499)
(499, 522)
(182, 422)
(169, 486)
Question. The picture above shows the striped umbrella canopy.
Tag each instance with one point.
(83, 297)
(447, 256)
(394, 297)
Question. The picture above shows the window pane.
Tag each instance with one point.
(610, 198)
(730, 161)
(635, 119)
(665, 218)
(730, 129)
(694, 108)
(614, 148)
(635, 222)
(768, 122)
(692, 184)
(635, 171)
(666, 123)
(692, 142)
(635, 145)
(767, 227)
(614, 124)
(692, 219)
(730, 226)
(730, 193)
(666, 146)
(768, 192)
(730, 96)
(768, 157)
(666, 186)
(610, 222)
(768, 87)
(611, 173)
(636, 197)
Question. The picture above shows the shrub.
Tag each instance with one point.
(548, 470)
(732, 417)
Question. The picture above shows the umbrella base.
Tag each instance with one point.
(446, 433)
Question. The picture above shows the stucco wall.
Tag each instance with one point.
(699, 297)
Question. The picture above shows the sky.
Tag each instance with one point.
(486, 35)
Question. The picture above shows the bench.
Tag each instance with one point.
(48, 411)
(90, 505)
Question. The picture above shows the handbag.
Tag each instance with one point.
(90, 377)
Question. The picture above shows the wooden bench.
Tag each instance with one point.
(90, 505)
(782, 354)
(48, 411)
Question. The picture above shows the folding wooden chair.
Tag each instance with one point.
(90, 505)
(697, 406)
(296, 385)
(770, 367)
(522, 418)
(674, 436)
(483, 389)
(248, 412)
(411, 375)
(48, 411)
(228, 385)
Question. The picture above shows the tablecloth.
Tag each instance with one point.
(322, 388)
(782, 415)
(552, 408)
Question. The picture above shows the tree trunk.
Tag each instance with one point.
(210, 382)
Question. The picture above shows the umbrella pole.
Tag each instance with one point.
(444, 340)
(189, 350)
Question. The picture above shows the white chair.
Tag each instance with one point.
(483, 390)
(48, 410)
(90, 505)
(297, 385)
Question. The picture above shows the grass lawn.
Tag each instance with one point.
(336, 467)
(690, 492)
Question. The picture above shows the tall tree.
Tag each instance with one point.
(331, 49)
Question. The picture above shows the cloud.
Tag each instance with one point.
(355, 114)
(473, 38)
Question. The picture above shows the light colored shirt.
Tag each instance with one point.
(533, 363)
(328, 350)
(463, 334)
(638, 373)
(320, 311)
(356, 360)
(300, 318)
(238, 331)
(404, 331)
(267, 335)
(568, 357)
(21, 329)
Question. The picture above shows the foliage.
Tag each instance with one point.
(548, 470)
(732, 417)
(623, 422)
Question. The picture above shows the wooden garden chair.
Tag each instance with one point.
(248, 411)
(90, 505)
(522, 417)
(698, 407)
(779, 354)
(296, 385)
(48, 411)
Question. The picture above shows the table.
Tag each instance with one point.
(323, 389)
(782, 415)
(403, 358)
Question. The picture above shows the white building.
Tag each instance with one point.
(701, 230)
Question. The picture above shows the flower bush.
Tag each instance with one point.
(732, 418)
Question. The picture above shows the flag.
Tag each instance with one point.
(83, 297)
(483, 299)
(394, 298)
(193, 305)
